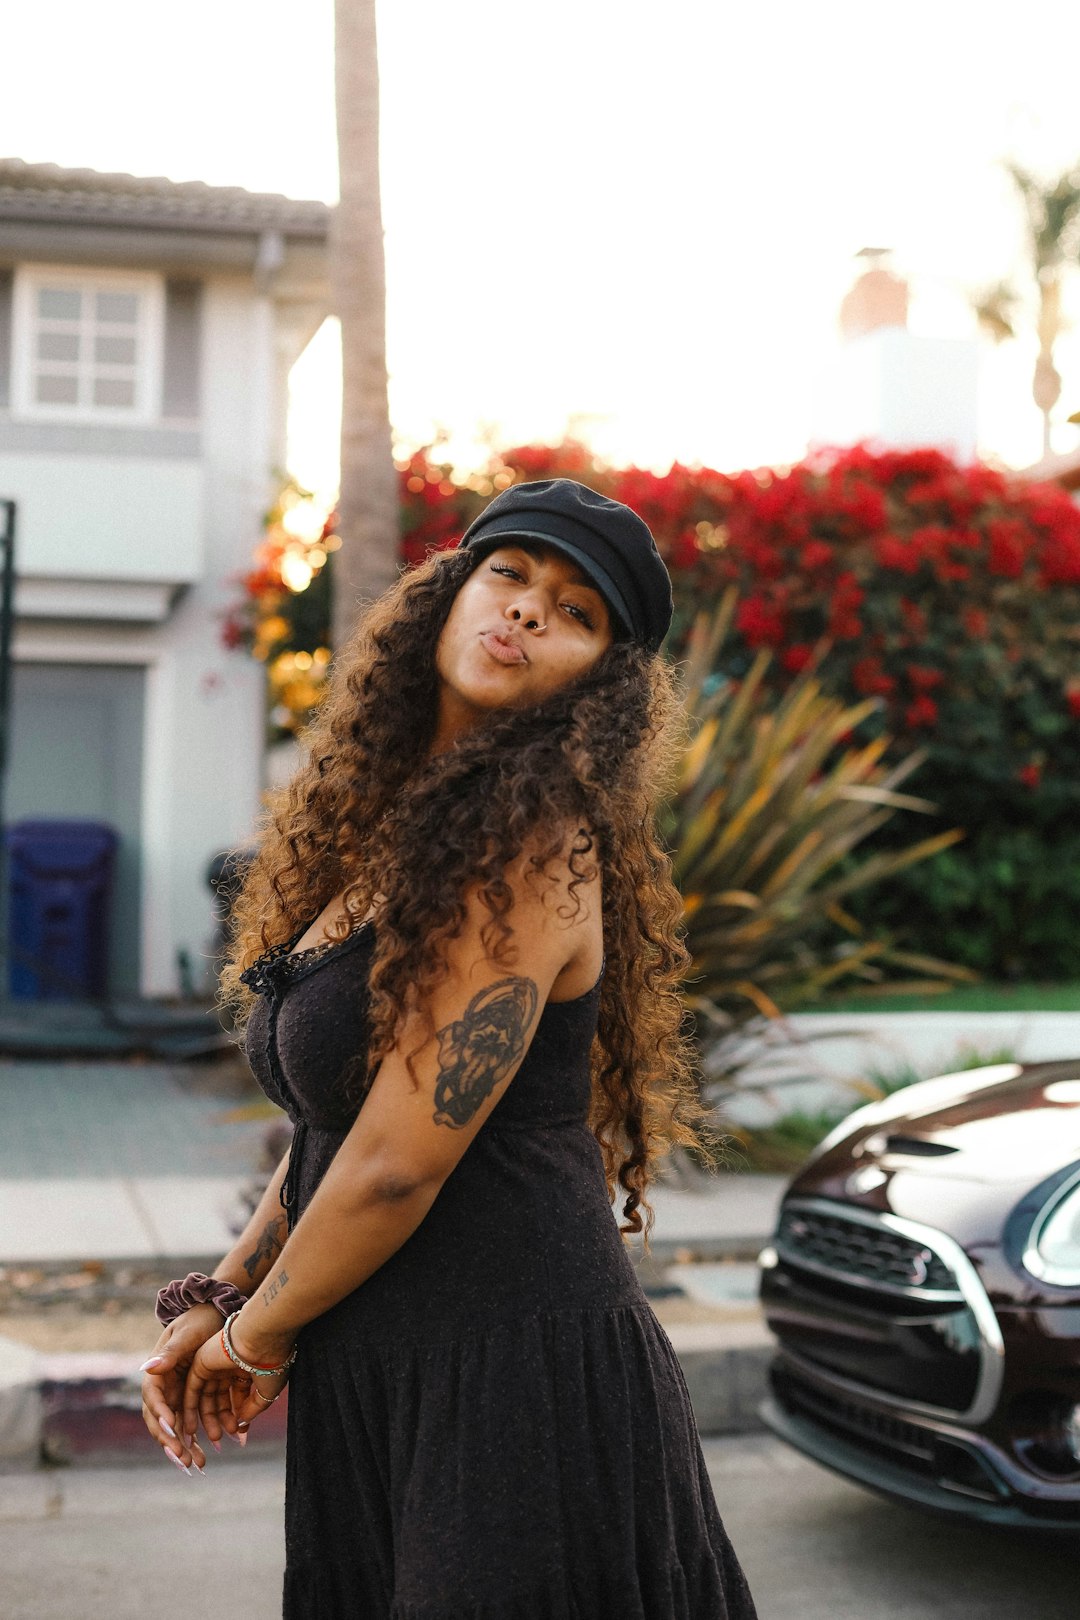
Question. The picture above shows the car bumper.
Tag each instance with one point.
(940, 1469)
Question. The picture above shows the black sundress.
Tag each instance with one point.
(494, 1426)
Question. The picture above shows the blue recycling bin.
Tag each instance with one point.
(60, 879)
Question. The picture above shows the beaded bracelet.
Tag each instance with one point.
(256, 1372)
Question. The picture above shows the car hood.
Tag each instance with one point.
(958, 1153)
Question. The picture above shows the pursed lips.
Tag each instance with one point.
(503, 648)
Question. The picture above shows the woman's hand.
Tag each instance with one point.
(164, 1374)
(223, 1395)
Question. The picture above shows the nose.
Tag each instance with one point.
(528, 611)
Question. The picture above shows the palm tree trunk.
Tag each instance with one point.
(1046, 386)
(367, 561)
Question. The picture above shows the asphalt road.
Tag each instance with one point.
(127, 1543)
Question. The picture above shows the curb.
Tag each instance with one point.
(84, 1407)
(80, 1408)
(726, 1371)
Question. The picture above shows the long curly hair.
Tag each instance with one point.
(370, 812)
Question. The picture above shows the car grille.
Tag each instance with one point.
(862, 1254)
(921, 1451)
(877, 1305)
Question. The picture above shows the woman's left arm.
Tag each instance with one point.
(405, 1141)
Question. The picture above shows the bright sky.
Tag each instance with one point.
(629, 219)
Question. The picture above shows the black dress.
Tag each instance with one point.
(494, 1426)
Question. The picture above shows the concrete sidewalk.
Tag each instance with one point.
(137, 1162)
(55, 1219)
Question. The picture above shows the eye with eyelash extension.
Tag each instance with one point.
(515, 573)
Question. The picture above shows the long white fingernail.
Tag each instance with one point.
(183, 1467)
(170, 1432)
(154, 1361)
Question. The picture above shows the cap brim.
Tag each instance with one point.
(493, 537)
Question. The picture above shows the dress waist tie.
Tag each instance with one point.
(291, 1181)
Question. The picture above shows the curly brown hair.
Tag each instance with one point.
(371, 812)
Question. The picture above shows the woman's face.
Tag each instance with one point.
(525, 622)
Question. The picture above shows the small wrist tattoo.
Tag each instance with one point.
(274, 1288)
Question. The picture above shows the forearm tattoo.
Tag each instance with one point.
(267, 1245)
(479, 1049)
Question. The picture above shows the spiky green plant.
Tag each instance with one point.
(772, 798)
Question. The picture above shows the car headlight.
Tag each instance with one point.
(1053, 1249)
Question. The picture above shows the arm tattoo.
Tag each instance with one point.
(479, 1049)
(275, 1287)
(267, 1245)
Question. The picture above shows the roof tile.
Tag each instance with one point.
(45, 191)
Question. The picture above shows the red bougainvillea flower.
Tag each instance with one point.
(870, 680)
(848, 596)
(923, 712)
(923, 679)
(815, 556)
(759, 622)
(796, 657)
(1030, 775)
(1008, 544)
(976, 623)
(1072, 698)
(898, 554)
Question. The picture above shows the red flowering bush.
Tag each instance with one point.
(952, 594)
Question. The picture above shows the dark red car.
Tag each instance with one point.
(924, 1287)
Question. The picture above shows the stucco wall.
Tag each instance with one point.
(204, 747)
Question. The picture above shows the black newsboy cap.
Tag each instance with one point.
(606, 539)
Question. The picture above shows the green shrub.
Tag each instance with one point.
(772, 800)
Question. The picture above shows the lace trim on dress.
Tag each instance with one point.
(274, 964)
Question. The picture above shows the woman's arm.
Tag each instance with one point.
(405, 1142)
(245, 1265)
(259, 1244)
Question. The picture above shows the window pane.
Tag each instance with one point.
(114, 351)
(56, 390)
(58, 345)
(59, 303)
(118, 307)
(114, 391)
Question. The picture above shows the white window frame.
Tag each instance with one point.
(150, 339)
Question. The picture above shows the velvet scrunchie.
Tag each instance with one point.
(197, 1289)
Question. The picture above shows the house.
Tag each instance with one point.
(147, 330)
(889, 385)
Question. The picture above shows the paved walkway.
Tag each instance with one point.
(112, 1161)
(106, 1161)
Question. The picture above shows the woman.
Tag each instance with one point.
(459, 917)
